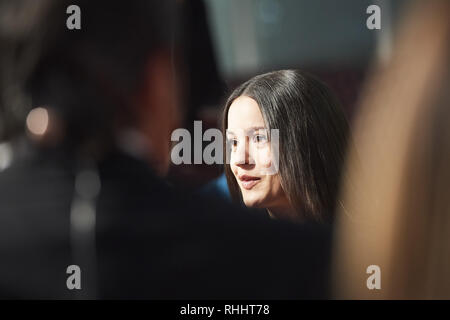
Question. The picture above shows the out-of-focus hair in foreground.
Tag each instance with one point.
(402, 224)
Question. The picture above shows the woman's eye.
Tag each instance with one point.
(233, 142)
(259, 138)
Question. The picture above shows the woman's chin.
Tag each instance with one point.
(255, 203)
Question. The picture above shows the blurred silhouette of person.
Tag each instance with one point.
(401, 224)
(85, 189)
(311, 145)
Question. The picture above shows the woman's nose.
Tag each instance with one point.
(243, 156)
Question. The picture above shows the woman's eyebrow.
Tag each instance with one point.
(248, 130)
(253, 129)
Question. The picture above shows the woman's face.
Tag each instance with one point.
(251, 156)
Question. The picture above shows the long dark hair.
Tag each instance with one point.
(313, 135)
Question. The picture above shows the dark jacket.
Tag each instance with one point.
(149, 241)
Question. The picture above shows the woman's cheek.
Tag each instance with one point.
(276, 187)
(265, 159)
(233, 169)
(233, 160)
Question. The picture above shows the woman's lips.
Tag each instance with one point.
(248, 182)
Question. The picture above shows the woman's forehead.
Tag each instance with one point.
(244, 114)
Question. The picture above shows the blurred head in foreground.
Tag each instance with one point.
(403, 139)
(85, 89)
(295, 175)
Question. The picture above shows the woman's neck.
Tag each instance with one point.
(284, 212)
